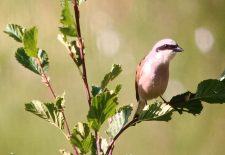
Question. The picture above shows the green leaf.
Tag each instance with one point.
(115, 71)
(68, 31)
(82, 137)
(15, 31)
(67, 20)
(95, 90)
(60, 102)
(156, 112)
(118, 88)
(186, 102)
(103, 106)
(76, 51)
(211, 91)
(47, 111)
(43, 57)
(119, 120)
(30, 42)
(31, 62)
(72, 47)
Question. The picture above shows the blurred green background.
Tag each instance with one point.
(115, 32)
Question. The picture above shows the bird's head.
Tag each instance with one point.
(165, 50)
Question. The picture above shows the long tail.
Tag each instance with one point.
(141, 105)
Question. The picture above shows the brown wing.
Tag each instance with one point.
(137, 76)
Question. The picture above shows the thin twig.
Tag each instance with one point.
(81, 47)
(84, 71)
(47, 82)
(111, 146)
(97, 143)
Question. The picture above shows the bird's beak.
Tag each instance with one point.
(178, 49)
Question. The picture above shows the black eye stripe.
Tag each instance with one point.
(166, 47)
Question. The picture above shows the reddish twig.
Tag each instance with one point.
(48, 84)
(111, 146)
(81, 47)
(84, 75)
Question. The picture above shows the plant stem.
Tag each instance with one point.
(47, 82)
(97, 143)
(81, 47)
(84, 71)
(111, 146)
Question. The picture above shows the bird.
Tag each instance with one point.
(152, 73)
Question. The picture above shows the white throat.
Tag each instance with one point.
(165, 56)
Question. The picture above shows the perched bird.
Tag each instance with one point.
(152, 73)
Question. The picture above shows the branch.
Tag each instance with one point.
(111, 146)
(81, 47)
(84, 75)
(46, 80)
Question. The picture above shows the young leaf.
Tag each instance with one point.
(43, 57)
(76, 51)
(30, 42)
(31, 62)
(103, 106)
(26, 61)
(15, 31)
(186, 102)
(71, 47)
(115, 71)
(67, 20)
(156, 112)
(47, 111)
(119, 120)
(211, 91)
(82, 138)
(118, 88)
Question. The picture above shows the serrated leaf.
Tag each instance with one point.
(31, 62)
(186, 102)
(47, 111)
(15, 31)
(156, 112)
(68, 31)
(118, 88)
(211, 91)
(30, 42)
(67, 20)
(119, 120)
(82, 137)
(103, 106)
(115, 71)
